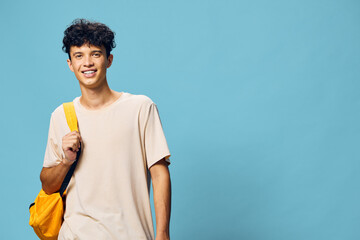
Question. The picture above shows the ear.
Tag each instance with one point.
(110, 60)
(70, 65)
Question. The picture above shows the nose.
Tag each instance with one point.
(88, 61)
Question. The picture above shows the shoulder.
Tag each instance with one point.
(58, 112)
(58, 121)
(140, 100)
(143, 105)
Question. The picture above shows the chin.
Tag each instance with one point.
(90, 84)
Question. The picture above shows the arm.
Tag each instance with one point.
(162, 198)
(52, 177)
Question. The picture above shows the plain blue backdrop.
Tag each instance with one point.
(259, 102)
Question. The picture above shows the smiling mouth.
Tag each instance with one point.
(89, 73)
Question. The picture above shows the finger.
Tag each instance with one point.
(70, 134)
(77, 134)
(75, 147)
(73, 133)
(71, 144)
(71, 137)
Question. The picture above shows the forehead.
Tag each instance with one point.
(86, 48)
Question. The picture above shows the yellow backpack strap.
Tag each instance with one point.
(70, 114)
(71, 119)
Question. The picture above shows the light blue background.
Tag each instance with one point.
(259, 102)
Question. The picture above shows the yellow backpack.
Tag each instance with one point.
(47, 212)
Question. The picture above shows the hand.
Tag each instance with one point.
(70, 146)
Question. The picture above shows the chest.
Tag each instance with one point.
(110, 128)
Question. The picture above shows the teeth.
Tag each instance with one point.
(89, 72)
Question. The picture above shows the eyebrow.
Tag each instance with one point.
(95, 51)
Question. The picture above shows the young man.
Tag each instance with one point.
(122, 141)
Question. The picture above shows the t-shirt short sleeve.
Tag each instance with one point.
(53, 153)
(155, 142)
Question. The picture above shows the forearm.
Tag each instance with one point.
(52, 178)
(162, 204)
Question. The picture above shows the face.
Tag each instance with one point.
(89, 63)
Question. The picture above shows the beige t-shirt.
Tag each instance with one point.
(108, 195)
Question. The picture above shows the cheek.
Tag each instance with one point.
(76, 66)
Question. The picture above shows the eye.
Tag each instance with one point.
(96, 54)
(78, 56)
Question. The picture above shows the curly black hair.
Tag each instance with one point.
(83, 31)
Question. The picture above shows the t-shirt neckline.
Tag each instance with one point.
(84, 109)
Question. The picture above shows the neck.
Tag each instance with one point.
(99, 97)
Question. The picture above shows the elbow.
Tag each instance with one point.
(47, 187)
